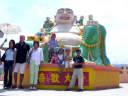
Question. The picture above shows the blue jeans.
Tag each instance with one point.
(8, 69)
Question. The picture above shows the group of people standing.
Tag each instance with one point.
(17, 55)
(15, 58)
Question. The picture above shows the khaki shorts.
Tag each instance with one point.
(20, 67)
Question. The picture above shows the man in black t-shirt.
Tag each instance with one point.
(77, 71)
(21, 50)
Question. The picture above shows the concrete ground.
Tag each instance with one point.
(122, 91)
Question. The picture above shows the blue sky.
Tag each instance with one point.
(30, 14)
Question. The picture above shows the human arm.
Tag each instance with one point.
(81, 63)
(14, 55)
(78, 61)
(28, 52)
(28, 56)
(41, 56)
(1, 46)
(51, 60)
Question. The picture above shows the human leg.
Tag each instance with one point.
(5, 74)
(72, 82)
(31, 73)
(22, 69)
(36, 70)
(80, 78)
(21, 81)
(16, 69)
(10, 74)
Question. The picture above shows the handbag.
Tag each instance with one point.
(3, 57)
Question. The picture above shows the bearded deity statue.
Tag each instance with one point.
(65, 30)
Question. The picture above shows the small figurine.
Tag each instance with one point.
(91, 21)
(68, 58)
(52, 44)
(48, 23)
(80, 21)
(54, 59)
(61, 57)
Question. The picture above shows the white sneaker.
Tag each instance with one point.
(30, 88)
(34, 88)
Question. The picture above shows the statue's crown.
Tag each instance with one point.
(91, 22)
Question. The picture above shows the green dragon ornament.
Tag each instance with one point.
(93, 44)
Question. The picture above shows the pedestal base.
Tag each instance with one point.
(95, 77)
